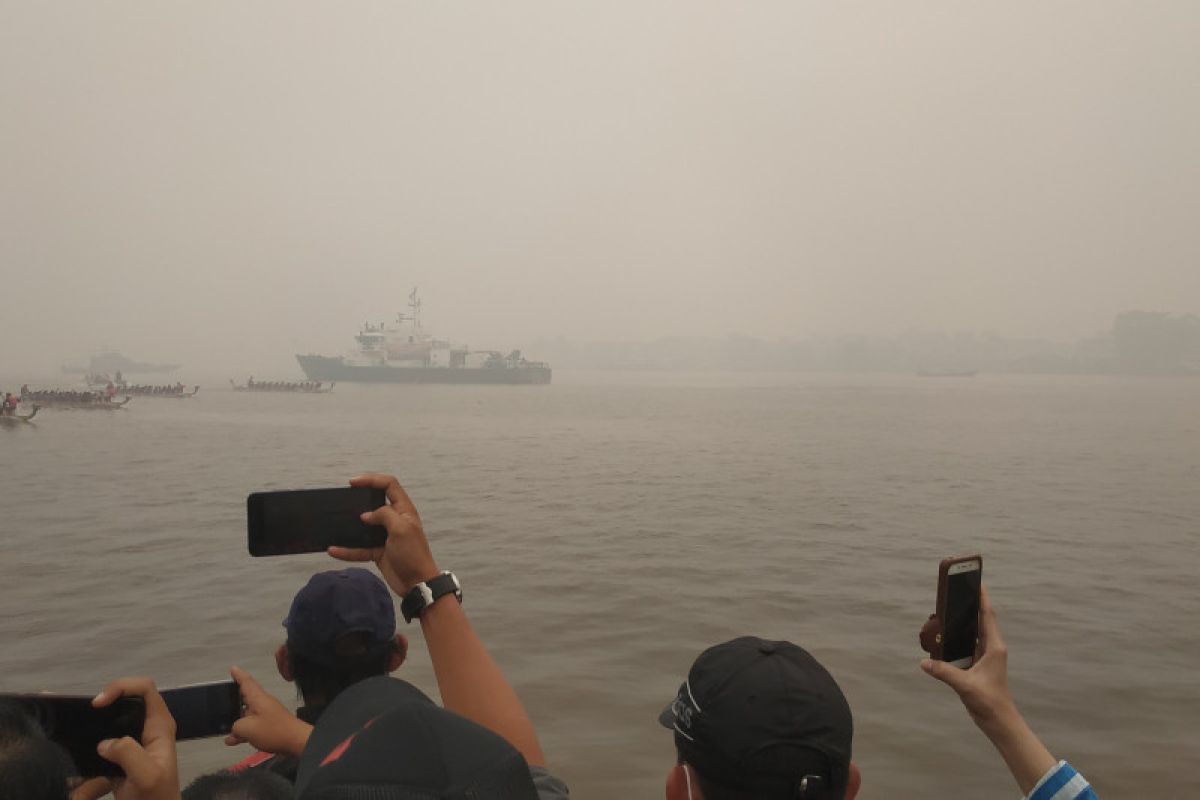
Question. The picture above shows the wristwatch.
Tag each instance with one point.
(423, 595)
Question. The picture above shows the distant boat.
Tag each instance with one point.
(312, 387)
(16, 419)
(947, 373)
(406, 353)
(111, 361)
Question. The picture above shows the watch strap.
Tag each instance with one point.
(426, 593)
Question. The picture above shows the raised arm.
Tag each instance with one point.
(984, 692)
(469, 681)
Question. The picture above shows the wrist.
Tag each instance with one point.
(421, 574)
(298, 738)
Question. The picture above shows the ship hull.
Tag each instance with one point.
(327, 368)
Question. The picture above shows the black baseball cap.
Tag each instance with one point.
(384, 739)
(765, 718)
(335, 603)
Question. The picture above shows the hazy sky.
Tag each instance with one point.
(230, 182)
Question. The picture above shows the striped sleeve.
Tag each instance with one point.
(1062, 782)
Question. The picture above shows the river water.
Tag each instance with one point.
(608, 527)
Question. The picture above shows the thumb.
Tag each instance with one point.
(133, 760)
(951, 676)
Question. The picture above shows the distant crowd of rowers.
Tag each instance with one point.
(281, 386)
(66, 396)
(166, 390)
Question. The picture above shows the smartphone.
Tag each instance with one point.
(202, 710)
(75, 725)
(312, 520)
(959, 580)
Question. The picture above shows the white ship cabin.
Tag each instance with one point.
(379, 345)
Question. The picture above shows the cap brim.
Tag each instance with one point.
(667, 717)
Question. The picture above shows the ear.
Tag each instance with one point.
(401, 653)
(854, 783)
(677, 784)
(282, 664)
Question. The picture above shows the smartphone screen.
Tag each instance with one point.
(75, 725)
(204, 709)
(312, 520)
(960, 617)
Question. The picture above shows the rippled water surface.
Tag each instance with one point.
(610, 526)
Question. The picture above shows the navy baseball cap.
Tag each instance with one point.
(335, 603)
(764, 718)
(384, 739)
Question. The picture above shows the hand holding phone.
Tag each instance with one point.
(148, 760)
(983, 690)
(267, 725)
(404, 557)
(312, 520)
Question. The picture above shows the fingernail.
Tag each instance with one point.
(98, 697)
(364, 515)
(104, 745)
(927, 665)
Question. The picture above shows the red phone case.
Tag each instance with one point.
(931, 633)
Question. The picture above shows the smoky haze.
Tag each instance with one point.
(226, 184)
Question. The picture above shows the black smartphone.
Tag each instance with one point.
(959, 580)
(204, 709)
(75, 725)
(312, 520)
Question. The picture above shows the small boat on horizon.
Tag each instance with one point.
(947, 373)
(110, 362)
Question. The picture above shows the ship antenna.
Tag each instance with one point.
(415, 304)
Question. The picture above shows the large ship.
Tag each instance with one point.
(405, 353)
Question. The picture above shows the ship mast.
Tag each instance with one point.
(414, 315)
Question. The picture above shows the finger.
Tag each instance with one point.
(989, 627)
(131, 757)
(951, 676)
(159, 724)
(390, 518)
(356, 553)
(232, 740)
(92, 789)
(391, 486)
(252, 692)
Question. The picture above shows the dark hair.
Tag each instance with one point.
(355, 659)
(251, 784)
(711, 791)
(31, 766)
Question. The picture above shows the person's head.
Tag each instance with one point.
(384, 738)
(760, 719)
(31, 766)
(250, 784)
(341, 629)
